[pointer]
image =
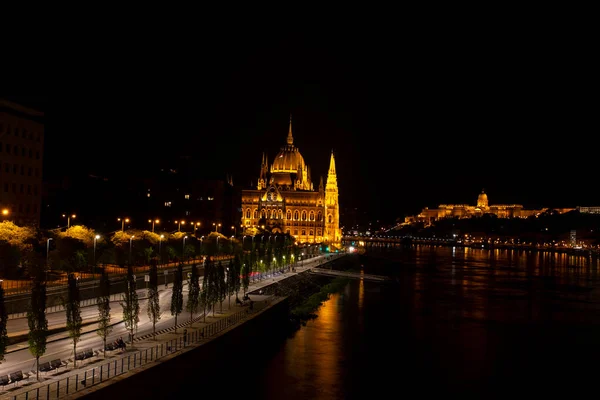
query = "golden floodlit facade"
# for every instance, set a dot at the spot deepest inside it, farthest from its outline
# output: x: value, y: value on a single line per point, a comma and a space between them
x: 285, y: 200
x: 482, y: 206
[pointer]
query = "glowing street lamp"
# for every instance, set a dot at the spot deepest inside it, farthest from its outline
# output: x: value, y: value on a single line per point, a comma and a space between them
x: 196, y: 225
x: 153, y: 221
x: 130, y: 242
x: 217, y: 226
x: 159, y: 243
x: 234, y: 230
x: 68, y: 217
x: 94, y: 265
x: 5, y: 212
x: 179, y: 223
x: 123, y: 220
x: 183, y: 248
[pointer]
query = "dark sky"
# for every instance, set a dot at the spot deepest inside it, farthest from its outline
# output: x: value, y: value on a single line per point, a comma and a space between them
x: 415, y: 118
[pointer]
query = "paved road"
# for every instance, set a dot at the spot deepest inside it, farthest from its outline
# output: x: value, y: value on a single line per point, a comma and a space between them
x: 60, y: 345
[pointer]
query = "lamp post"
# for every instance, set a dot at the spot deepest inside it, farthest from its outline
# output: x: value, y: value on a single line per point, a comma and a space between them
x: 153, y: 221
x: 201, y: 242
x: 179, y: 225
x: 216, y: 225
x: 196, y: 225
x: 217, y: 244
x: 234, y: 230
x: 123, y: 220
x: 183, y: 248
x: 94, y: 265
x: 159, y: 252
x: 130, y: 242
x: 243, y: 239
x: 231, y: 240
x: 68, y: 217
x: 47, y: 252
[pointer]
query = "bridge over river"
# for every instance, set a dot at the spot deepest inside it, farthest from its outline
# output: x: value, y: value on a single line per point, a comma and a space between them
x: 348, y: 274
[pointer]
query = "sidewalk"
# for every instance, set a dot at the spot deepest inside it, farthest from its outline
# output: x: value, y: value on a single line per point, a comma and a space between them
x: 143, y: 343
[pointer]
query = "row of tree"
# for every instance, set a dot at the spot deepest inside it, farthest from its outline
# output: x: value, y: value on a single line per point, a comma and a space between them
x: 219, y: 282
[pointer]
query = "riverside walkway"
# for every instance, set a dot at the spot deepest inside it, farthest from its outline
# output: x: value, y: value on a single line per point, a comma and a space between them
x: 105, y: 367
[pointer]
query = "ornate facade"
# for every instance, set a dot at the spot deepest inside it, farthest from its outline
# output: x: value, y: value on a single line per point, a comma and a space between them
x: 482, y: 206
x: 285, y: 200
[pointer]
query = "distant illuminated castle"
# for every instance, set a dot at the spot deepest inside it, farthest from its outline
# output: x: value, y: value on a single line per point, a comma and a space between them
x: 285, y: 200
x: 428, y: 216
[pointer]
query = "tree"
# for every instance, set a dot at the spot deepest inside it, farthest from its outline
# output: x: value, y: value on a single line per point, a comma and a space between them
x: 103, y: 302
x: 3, y: 323
x: 36, y: 319
x: 177, y: 294
x: 237, y: 267
x: 73, y: 311
x: 194, y: 292
x: 130, y: 304
x: 153, y: 299
x: 245, y: 276
x: 208, y: 264
x: 229, y: 282
x: 221, y: 285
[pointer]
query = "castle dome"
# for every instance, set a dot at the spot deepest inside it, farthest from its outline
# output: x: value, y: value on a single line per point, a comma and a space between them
x: 482, y: 200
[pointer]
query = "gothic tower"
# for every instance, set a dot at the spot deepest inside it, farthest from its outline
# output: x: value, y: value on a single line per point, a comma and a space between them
x: 333, y: 233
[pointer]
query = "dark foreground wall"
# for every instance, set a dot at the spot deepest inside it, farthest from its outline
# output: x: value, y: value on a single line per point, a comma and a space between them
x: 221, y: 355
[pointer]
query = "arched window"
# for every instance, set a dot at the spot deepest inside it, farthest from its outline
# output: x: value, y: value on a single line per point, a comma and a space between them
x: 263, y: 213
x: 303, y: 215
x: 311, y: 216
x: 255, y: 213
x: 248, y: 213
x: 280, y: 214
x: 330, y: 218
x: 319, y: 216
x: 288, y: 214
x: 272, y: 214
x: 296, y: 215
x: 312, y: 232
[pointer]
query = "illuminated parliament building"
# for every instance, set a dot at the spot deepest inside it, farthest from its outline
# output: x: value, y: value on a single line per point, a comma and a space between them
x: 482, y: 206
x: 285, y: 200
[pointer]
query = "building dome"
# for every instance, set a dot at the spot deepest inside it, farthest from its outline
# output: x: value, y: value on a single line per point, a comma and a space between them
x: 482, y: 200
x: 288, y: 160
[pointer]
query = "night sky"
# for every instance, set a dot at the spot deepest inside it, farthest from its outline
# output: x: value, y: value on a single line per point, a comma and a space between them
x: 414, y: 119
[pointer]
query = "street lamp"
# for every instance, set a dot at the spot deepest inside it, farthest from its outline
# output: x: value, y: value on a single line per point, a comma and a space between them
x: 183, y: 248
x: 159, y: 252
x: 234, y: 230
x: 216, y: 226
x: 123, y: 220
x: 5, y: 212
x: 130, y: 242
x: 196, y: 225
x: 201, y: 242
x: 153, y: 221
x: 47, y: 252
x: 68, y: 217
x: 217, y: 244
x: 179, y: 225
x: 94, y: 265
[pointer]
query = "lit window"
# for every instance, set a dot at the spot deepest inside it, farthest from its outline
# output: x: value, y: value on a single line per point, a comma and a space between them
x: 167, y: 204
x: 187, y: 196
x: 210, y: 198
x: 147, y: 194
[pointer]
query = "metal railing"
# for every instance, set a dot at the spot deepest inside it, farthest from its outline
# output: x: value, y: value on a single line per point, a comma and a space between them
x: 92, y: 376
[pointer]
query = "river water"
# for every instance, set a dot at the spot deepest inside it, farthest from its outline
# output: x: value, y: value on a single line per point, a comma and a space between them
x: 470, y: 323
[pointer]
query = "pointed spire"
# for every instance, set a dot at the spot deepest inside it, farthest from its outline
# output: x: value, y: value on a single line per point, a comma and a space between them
x: 290, y: 138
x: 332, y: 164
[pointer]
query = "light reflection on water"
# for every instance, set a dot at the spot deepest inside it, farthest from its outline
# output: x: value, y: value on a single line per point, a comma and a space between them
x: 470, y: 323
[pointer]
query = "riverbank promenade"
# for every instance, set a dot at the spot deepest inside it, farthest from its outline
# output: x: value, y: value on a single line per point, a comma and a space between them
x: 98, y: 368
